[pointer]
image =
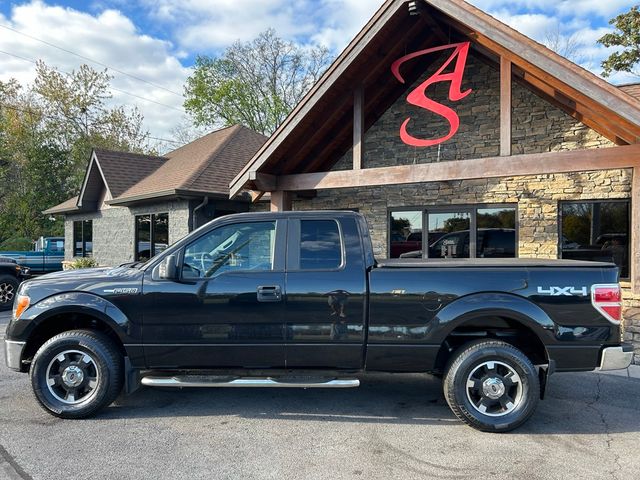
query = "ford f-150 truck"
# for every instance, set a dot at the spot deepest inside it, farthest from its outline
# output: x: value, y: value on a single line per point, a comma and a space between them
x: 297, y: 299
x: 47, y: 255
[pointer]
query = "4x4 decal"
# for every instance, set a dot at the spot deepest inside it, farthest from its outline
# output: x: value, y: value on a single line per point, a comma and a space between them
x: 564, y: 291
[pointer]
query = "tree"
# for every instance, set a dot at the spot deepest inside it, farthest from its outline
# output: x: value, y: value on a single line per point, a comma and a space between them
x: 78, y: 119
x: 627, y: 36
x: 47, y: 131
x: 565, y: 45
x: 255, y: 84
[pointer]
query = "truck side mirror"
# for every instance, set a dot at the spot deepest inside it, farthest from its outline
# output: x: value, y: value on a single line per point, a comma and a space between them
x: 168, y: 268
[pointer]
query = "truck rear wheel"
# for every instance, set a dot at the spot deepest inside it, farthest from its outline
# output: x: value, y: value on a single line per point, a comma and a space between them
x: 491, y: 386
x: 77, y: 373
x: 8, y: 289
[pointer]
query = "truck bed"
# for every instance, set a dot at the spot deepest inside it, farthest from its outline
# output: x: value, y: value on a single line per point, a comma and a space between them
x: 488, y: 262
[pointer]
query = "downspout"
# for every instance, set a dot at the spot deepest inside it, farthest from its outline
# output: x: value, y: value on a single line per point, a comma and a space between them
x: 193, y: 215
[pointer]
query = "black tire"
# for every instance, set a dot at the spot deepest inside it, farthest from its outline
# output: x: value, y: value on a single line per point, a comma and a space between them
x: 8, y: 289
x: 497, y: 399
x: 62, y: 358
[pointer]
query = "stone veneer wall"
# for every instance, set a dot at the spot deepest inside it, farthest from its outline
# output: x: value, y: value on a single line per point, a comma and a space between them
x: 537, y: 127
x: 114, y: 229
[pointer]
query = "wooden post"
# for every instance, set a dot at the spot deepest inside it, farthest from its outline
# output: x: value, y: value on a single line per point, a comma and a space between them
x: 505, y: 107
x: 634, y: 263
x: 280, y: 201
x: 358, y: 127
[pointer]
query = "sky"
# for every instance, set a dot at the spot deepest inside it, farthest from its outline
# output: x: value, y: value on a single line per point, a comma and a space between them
x: 150, y: 45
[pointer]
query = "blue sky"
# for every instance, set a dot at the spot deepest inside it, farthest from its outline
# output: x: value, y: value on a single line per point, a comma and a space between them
x: 157, y: 40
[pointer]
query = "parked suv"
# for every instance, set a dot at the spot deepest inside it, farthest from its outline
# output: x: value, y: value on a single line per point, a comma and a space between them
x: 11, y: 274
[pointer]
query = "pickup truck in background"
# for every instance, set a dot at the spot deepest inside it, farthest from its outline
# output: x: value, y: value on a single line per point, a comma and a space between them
x: 46, y: 256
x: 296, y: 299
x: 11, y: 274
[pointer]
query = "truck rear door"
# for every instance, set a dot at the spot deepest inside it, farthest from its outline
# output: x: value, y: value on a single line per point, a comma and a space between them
x: 325, y: 292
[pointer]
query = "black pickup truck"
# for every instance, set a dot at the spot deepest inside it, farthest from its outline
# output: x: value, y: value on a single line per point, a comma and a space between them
x: 296, y: 299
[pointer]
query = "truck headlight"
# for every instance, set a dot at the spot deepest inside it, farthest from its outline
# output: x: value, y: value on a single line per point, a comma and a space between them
x: 20, y: 305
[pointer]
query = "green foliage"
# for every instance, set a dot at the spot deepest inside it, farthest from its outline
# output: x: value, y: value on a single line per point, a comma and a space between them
x: 21, y: 244
x: 47, y: 131
x: 627, y: 36
x: 255, y: 84
x: 82, y: 262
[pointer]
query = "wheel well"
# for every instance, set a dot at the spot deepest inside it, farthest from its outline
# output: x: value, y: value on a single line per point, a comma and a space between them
x: 494, y: 327
x: 63, y: 322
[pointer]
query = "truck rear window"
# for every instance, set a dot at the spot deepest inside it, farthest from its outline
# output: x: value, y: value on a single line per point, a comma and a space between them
x: 320, y: 245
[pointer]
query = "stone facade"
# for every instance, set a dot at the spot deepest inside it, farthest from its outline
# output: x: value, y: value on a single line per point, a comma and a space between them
x: 114, y: 229
x: 538, y: 126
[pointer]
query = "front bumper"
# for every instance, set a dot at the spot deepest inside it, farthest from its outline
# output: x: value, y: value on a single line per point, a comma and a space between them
x: 616, y: 358
x: 13, y: 354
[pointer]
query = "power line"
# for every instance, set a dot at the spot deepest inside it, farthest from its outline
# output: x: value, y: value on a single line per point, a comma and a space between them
x: 112, y: 88
x: 33, y: 112
x: 90, y: 60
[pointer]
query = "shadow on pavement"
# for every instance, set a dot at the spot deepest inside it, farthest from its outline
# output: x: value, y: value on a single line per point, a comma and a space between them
x: 584, y: 403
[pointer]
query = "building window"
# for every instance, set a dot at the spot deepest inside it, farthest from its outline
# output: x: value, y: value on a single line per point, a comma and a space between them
x: 476, y: 231
x: 152, y: 235
x: 596, y: 231
x: 83, y: 238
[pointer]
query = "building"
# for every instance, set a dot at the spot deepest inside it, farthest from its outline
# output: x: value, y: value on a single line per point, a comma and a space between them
x: 457, y: 136
x: 133, y: 206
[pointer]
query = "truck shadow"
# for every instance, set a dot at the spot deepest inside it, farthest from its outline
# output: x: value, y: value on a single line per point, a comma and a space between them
x: 585, y: 403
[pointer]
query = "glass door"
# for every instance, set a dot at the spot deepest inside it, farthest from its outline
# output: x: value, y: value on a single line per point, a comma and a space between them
x: 448, y: 234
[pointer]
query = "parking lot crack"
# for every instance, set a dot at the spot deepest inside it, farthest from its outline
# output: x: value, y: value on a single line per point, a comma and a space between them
x: 607, y: 430
x: 9, y: 466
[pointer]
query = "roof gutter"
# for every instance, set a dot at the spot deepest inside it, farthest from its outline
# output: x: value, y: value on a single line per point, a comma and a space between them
x: 193, y: 215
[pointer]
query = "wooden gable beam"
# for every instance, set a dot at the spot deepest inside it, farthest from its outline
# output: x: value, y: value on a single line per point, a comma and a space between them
x: 358, y: 127
x: 505, y: 107
x: 491, y: 167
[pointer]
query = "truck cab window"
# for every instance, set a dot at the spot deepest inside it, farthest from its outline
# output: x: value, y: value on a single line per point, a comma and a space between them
x: 240, y: 246
x: 320, y: 245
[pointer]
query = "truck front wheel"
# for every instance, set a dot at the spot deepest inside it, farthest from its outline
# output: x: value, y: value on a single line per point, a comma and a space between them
x: 8, y: 288
x: 491, y: 386
x: 77, y: 373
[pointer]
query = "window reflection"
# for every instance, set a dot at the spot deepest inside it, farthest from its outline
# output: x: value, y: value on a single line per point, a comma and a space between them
x: 406, y: 232
x: 596, y: 231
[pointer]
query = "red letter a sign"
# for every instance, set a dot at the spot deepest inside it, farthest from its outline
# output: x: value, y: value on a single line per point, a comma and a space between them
x: 418, y: 96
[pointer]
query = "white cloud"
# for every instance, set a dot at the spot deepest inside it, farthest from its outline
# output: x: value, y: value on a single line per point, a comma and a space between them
x: 109, y: 37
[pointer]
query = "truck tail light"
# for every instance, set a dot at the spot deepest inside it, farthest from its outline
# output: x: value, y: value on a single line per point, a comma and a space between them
x: 607, y: 299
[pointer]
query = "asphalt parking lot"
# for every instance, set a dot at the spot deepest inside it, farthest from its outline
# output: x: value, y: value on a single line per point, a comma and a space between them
x: 390, y: 427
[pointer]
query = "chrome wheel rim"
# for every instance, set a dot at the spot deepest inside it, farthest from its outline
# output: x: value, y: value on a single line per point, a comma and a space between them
x: 494, y: 389
x: 72, y: 377
x: 7, y: 292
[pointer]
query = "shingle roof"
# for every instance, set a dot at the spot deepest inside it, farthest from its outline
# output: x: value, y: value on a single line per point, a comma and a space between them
x: 206, y: 165
x: 122, y: 170
x: 632, y: 89
x: 70, y: 205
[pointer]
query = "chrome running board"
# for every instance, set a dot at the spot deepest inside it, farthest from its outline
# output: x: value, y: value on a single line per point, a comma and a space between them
x: 213, y: 381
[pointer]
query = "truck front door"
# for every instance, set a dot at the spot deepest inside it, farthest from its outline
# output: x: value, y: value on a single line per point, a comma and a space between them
x: 326, y: 293
x: 226, y: 310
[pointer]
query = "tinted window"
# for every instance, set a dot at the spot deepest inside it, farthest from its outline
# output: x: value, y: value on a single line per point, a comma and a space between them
x: 240, y: 246
x: 496, y: 236
x: 320, y: 246
x: 152, y: 235
x: 449, y: 234
x: 406, y: 232
x: 596, y: 231
x: 82, y: 238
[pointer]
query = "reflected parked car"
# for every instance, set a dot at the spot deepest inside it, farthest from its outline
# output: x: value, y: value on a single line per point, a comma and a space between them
x: 492, y: 243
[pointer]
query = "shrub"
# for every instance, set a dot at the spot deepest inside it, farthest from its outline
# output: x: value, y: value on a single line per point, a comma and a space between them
x: 82, y: 262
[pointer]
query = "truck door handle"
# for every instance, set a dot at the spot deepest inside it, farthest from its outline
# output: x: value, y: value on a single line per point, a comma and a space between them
x: 271, y: 293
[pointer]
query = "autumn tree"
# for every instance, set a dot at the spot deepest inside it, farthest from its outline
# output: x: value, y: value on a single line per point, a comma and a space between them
x: 626, y: 36
x: 47, y: 131
x: 255, y: 83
